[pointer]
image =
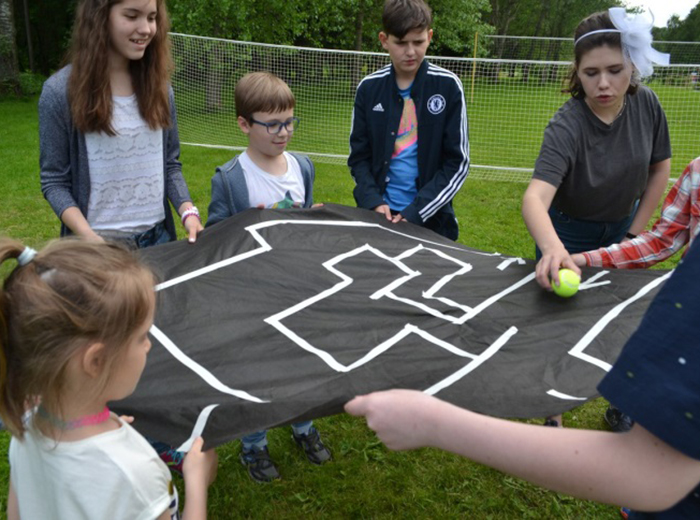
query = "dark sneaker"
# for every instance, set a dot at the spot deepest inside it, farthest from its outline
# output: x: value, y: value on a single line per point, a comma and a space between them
x: 551, y: 422
x: 311, y: 443
x: 618, y: 421
x: 172, y: 458
x: 259, y: 464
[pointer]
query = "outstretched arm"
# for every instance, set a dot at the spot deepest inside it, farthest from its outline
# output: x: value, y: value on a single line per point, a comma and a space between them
x: 670, y: 233
x: 536, y: 202
x: 78, y: 224
x: 635, y: 469
x: 12, y: 505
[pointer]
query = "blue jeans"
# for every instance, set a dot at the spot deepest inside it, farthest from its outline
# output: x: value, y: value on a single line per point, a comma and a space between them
x: 258, y: 440
x: 579, y: 235
x: 151, y: 237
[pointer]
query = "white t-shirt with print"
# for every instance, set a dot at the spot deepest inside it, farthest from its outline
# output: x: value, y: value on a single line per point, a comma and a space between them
x: 267, y: 189
x: 114, y: 475
x: 126, y: 172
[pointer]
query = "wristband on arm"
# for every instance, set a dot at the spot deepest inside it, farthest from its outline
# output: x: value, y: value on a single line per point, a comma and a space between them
x: 188, y: 213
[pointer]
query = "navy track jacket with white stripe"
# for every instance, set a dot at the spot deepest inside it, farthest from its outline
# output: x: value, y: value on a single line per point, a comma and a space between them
x: 443, y: 143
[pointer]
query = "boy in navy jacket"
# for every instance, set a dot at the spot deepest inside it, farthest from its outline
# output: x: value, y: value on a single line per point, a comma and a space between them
x: 409, y: 142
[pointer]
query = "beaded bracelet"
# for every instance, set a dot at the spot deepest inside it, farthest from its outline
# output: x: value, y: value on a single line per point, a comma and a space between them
x: 189, y: 212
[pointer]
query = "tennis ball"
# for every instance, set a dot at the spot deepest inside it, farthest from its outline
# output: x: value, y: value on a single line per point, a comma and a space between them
x: 568, y: 283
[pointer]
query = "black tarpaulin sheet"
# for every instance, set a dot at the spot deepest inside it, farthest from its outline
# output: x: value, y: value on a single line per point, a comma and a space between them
x: 276, y: 316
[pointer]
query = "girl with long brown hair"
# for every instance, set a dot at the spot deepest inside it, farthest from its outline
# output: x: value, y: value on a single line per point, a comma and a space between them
x: 109, y: 145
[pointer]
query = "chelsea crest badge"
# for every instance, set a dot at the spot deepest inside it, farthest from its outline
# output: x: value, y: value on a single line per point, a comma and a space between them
x: 436, y: 104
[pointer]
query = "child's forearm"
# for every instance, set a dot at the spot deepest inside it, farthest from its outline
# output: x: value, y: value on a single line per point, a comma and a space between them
x: 538, y: 222
x: 634, y: 469
x: 12, y: 505
x: 196, y: 504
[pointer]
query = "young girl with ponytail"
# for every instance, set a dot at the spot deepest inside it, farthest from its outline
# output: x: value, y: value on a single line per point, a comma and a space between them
x: 74, y: 323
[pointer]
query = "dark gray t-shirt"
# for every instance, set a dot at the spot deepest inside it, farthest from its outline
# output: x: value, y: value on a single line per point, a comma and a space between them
x: 600, y: 170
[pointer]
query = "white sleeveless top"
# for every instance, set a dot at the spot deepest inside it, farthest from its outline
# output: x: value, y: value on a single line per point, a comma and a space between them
x: 126, y: 173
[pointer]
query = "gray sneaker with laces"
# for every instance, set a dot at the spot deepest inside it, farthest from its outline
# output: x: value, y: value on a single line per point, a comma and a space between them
x: 260, y: 466
x: 312, y: 445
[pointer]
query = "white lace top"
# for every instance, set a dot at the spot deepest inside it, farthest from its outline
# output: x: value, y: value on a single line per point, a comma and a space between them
x: 126, y: 173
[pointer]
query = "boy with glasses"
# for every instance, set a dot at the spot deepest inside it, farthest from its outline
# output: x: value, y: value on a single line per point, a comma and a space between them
x: 409, y: 143
x: 266, y: 176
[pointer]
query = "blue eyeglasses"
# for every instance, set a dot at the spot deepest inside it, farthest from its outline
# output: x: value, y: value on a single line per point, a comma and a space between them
x: 275, y: 127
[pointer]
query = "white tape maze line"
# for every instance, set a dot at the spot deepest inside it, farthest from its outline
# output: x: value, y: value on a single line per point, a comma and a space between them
x: 198, y: 428
x: 578, y: 350
x: 198, y: 369
x: 345, y: 281
x: 469, y: 312
x: 387, y: 292
x: 591, y: 282
x: 265, y: 247
x: 559, y: 395
x: 478, y: 360
x: 508, y: 261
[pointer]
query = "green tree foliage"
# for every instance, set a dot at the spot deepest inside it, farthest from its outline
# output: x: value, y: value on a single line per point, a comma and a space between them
x: 456, y: 22
x: 687, y: 30
x: 273, y: 21
x: 338, y: 24
x: 542, y: 18
x: 555, y: 18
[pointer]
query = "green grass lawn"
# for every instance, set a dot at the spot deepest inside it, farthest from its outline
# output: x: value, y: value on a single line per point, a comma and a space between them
x: 364, y: 480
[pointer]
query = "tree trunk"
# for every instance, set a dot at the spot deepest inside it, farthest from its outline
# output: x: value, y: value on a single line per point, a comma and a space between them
x: 9, y: 69
x: 28, y: 30
x: 215, y: 80
x: 356, y: 74
x: 358, y: 28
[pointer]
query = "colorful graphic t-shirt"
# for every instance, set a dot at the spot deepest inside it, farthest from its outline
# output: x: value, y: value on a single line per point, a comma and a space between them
x: 401, y: 187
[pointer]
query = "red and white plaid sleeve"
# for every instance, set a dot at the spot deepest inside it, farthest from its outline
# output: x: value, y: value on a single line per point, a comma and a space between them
x: 678, y: 225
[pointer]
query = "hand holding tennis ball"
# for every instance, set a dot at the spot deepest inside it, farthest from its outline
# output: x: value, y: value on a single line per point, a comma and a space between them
x: 568, y: 283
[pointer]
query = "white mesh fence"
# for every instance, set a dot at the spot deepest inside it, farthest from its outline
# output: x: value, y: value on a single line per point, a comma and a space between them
x: 509, y: 101
x: 555, y: 49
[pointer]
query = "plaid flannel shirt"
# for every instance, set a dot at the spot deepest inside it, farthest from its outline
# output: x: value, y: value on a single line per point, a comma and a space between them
x: 677, y: 226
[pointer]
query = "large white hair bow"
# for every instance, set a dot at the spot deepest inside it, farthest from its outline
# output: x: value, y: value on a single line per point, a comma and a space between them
x: 635, y: 33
